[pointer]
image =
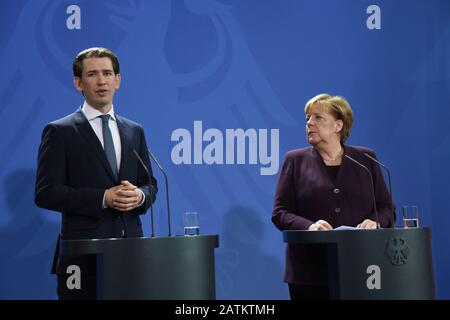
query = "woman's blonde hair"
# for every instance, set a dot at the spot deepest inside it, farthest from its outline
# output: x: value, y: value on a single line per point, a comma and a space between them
x: 338, y: 107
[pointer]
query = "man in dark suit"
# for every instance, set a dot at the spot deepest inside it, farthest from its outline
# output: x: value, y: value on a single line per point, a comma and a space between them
x: 87, y: 169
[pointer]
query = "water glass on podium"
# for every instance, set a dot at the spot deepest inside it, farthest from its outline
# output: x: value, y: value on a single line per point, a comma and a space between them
x: 191, y: 223
x: 410, y: 216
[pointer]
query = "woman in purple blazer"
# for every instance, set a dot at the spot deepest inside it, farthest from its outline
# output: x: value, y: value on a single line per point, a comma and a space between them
x: 319, y: 188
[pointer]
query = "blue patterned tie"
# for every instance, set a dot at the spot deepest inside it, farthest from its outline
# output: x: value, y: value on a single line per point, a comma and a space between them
x: 108, y: 144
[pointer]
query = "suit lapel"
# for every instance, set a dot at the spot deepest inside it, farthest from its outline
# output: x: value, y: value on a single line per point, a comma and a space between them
x: 126, y: 137
x: 86, y: 131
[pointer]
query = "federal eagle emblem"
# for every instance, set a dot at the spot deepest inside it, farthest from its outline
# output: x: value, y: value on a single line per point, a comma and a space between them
x: 397, y: 251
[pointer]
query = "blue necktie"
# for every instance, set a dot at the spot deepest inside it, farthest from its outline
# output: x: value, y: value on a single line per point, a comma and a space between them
x: 108, y: 144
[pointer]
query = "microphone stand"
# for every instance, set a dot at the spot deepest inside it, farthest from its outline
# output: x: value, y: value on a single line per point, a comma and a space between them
x: 151, y: 192
x: 167, y: 189
x: 372, y: 187
x: 390, y: 183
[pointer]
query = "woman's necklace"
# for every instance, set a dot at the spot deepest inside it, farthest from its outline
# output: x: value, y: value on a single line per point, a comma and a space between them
x: 335, y: 158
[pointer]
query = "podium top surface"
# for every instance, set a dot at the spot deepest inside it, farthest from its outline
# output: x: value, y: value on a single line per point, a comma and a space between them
x: 332, y: 236
x: 165, y: 243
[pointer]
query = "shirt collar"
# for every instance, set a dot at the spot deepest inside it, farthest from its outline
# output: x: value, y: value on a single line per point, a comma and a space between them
x: 92, y: 113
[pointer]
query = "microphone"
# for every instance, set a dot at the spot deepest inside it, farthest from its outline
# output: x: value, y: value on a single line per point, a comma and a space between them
x: 389, y: 180
x: 371, y: 184
x: 167, y: 189
x: 151, y: 192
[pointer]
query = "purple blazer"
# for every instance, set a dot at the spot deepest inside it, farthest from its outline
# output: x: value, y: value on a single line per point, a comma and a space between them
x: 305, y: 193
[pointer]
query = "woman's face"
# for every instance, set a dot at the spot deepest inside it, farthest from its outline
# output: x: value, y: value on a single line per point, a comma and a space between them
x: 321, y: 126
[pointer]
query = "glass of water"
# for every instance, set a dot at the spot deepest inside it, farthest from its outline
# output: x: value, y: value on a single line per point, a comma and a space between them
x: 191, y: 223
x: 410, y: 216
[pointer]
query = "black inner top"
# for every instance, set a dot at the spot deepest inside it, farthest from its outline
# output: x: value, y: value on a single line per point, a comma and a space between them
x: 333, y: 172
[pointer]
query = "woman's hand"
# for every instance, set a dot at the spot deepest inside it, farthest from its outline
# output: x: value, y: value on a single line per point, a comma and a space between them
x: 367, y: 224
x: 320, y: 225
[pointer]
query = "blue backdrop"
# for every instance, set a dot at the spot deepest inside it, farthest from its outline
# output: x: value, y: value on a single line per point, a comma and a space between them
x: 194, y: 72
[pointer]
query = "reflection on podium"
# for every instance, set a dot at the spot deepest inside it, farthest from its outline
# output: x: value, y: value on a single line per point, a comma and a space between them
x: 172, y: 268
x: 375, y: 264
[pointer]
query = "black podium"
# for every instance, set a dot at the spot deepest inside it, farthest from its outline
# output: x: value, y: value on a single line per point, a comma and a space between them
x: 172, y: 268
x: 375, y: 264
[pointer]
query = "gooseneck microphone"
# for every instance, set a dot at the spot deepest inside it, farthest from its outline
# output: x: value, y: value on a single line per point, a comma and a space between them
x: 151, y: 192
x: 167, y: 189
x: 389, y: 181
x: 371, y: 185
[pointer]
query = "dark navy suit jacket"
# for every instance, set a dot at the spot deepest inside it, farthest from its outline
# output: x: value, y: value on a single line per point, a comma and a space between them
x: 73, y: 174
x: 306, y: 193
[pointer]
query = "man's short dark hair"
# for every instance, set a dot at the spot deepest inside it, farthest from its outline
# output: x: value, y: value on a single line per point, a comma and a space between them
x: 94, y: 53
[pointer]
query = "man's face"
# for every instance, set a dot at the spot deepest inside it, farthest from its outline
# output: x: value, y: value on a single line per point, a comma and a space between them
x: 98, y: 82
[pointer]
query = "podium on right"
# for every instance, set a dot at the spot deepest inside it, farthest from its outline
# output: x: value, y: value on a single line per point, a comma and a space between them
x: 375, y: 264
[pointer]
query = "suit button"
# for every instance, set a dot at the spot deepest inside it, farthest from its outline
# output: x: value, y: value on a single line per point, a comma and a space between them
x: 336, y: 190
x: 337, y: 210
